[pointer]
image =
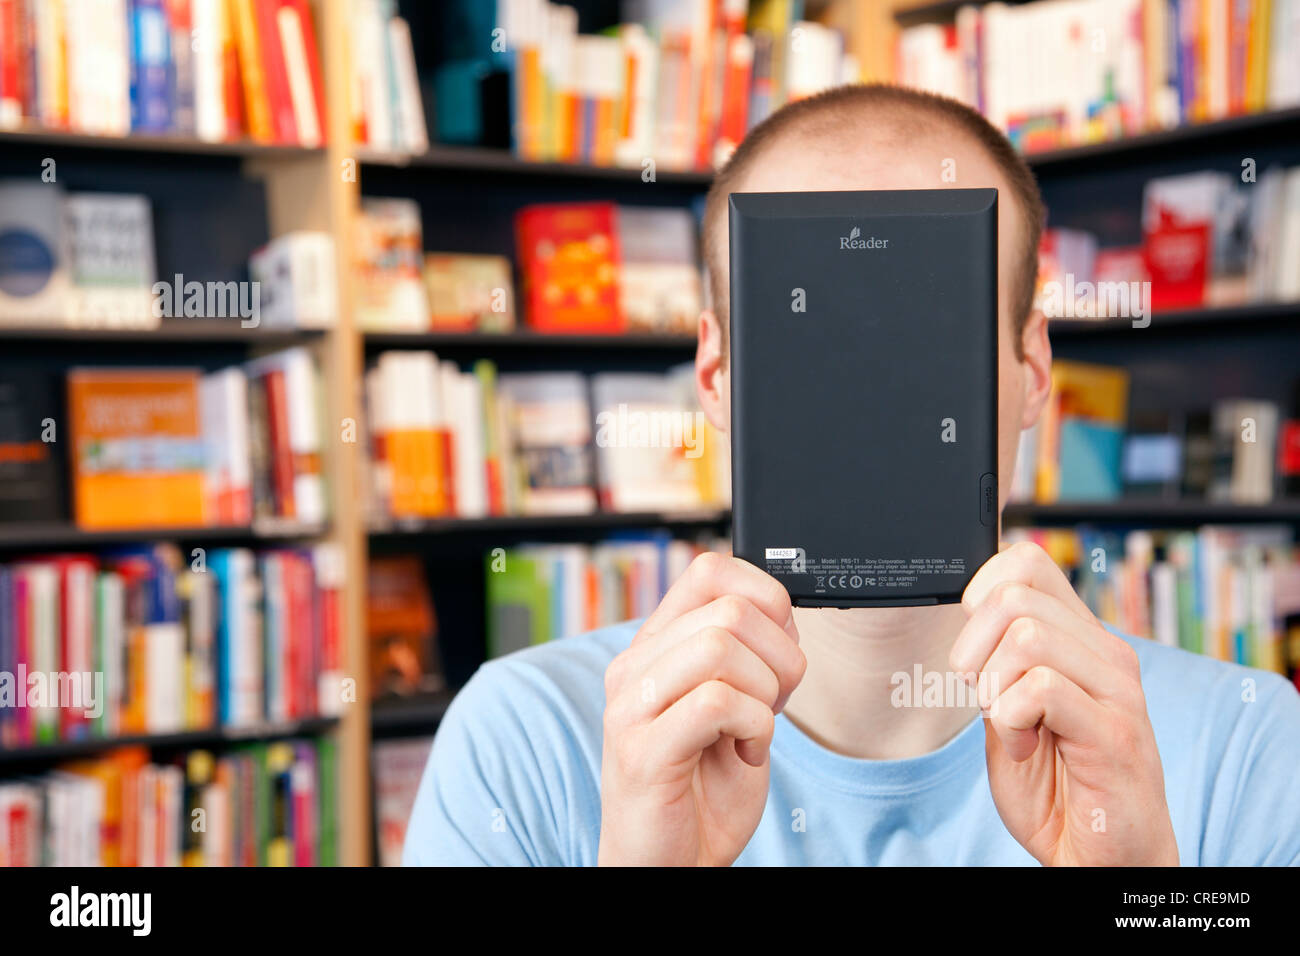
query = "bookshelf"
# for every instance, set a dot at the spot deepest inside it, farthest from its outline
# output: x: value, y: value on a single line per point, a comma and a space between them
x: 468, y: 196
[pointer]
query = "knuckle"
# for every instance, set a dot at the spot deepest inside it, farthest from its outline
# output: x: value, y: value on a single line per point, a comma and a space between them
x: 1042, y: 682
x: 1008, y: 595
x: 707, y: 565
x: 712, y: 700
x: 614, y: 675
x: 1026, y: 635
x: 732, y: 611
x: 713, y: 644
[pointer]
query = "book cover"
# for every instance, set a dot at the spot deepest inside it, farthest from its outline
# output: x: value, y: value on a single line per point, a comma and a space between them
x: 137, y: 448
x: 32, y: 485
x: 569, y: 261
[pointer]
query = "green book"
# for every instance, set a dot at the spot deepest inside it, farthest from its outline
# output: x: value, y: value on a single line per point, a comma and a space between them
x: 518, y: 603
x: 327, y: 786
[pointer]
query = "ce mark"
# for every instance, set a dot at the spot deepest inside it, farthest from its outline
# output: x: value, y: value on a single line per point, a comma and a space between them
x: 840, y: 581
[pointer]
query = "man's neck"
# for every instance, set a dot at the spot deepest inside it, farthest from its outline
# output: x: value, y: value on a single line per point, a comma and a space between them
x: 847, y: 699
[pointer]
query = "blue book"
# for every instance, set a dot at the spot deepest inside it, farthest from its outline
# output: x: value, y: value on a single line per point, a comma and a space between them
x: 1090, y: 460
x: 151, y: 108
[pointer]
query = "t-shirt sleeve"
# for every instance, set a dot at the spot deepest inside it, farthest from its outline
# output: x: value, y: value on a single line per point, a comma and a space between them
x: 1258, y: 781
x: 496, y: 790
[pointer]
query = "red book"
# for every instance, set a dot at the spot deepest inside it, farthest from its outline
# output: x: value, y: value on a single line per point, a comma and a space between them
x: 569, y: 260
x: 76, y: 633
x: 329, y: 612
x: 277, y: 416
x: 303, y: 9
x: 277, y: 76
x: 23, y: 727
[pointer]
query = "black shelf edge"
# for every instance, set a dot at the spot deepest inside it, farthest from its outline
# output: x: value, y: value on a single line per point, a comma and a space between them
x: 213, y: 737
x: 1158, y: 140
x: 602, y: 519
x: 47, y: 535
x: 477, y: 160
x: 403, y: 715
x: 1156, y: 512
x: 514, y: 341
x: 170, y: 331
x: 927, y: 12
x: 154, y: 143
x: 1211, y: 318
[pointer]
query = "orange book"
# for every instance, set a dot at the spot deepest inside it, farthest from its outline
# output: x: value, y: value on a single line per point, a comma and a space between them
x: 257, y: 103
x: 137, y: 459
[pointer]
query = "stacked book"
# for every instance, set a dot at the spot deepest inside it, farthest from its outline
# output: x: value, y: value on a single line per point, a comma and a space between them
x: 1089, y: 446
x: 165, y: 447
x: 213, y: 69
x: 150, y: 640
x: 1070, y: 72
x: 273, y: 804
x: 539, y: 593
x: 451, y: 443
x: 1229, y: 592
x: 589, y: 268
x: 675, y: 85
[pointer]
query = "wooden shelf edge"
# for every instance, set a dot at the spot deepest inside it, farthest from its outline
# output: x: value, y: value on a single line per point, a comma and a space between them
x: 602, y: 519
x: 46, y: 535
x: 171, y: 143
x: 213, y: 737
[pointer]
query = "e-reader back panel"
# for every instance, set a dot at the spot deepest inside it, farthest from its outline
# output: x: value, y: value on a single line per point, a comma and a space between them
x: 864, y: 391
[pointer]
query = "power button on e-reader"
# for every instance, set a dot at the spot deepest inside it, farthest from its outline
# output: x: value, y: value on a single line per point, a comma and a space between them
x: 988, y: 499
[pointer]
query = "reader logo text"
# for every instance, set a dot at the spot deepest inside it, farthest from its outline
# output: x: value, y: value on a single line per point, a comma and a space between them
x: 854, y: 240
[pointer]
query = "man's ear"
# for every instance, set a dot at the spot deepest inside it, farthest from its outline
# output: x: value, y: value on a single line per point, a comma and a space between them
x: 1038, y: 367
x: 712, y: 383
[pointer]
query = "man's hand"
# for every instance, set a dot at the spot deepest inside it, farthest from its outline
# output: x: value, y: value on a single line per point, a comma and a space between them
x: 1072, y: 758
x: 689, y: 714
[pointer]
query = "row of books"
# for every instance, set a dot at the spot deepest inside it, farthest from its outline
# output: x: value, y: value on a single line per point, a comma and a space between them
x: 446, y: 442
x: 147, y: 640
x: 543, y: 592
x: 385, y: 105
x: 261, y: 804
x: 213, y: 69
x: 1207, y: 240
x: 1087, y: 446
x: 87, y: 260
x: 1232, y: 592
x: 676, y: 85
x: 585, y: 267
x: 1067, y: 72
x: 164, y: 447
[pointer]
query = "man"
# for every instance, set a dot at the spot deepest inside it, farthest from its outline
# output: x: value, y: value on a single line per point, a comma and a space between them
x: 730, y: 728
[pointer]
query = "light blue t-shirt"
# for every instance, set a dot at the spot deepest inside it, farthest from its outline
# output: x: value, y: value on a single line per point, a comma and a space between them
x: 514, y: 775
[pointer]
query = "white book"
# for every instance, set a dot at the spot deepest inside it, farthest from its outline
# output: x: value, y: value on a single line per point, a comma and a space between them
x: 51, y: 62
x: 111, y: 266
x: 209, y: 70
x: 99, y: 81
x: 164, y: 677
x: 413, y: 133
x: 643, y: 55
x: 1287, y: 274
x: 370, y: 59
x: 297, y: 280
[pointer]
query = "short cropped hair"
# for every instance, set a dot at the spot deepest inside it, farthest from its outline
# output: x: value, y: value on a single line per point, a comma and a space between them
x: 903, y: 111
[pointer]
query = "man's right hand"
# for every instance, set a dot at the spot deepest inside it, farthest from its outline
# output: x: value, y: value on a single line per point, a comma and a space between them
x: 689, y: 713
